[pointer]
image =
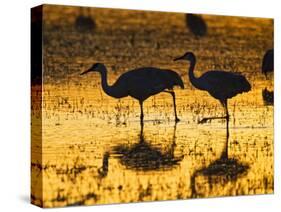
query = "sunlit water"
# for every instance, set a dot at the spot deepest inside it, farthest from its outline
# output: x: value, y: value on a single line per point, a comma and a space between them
x: 94, y: 150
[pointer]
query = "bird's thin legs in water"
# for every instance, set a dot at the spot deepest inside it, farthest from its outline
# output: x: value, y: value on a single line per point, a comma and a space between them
x: 141, y: 115
x: 173, y: 145
x: 224, y: 104
x: 141, y: 122
x: 104, y: 169
x: 225, y: 152
x: 141, y: 132
x: 204, y: 120
x: 175, y: 106
x: 226, y: 111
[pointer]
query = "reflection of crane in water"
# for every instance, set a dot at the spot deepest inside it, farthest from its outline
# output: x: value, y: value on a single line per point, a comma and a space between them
x: 142, y: 156
x: 196, y: 24
x: 104, y: 169
x: 84, y: 22
x: 225, y: 168
x: 140, y: 83
x: 268, y: 62
x: 221, y: 85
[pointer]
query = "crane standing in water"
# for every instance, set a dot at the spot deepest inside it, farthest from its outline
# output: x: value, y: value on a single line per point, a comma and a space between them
x: 196, y: 24
x: 221, y: 85
x: 140, y: 83
x: 268, y: 66
x: 83, y: 22
x: 268, y: 62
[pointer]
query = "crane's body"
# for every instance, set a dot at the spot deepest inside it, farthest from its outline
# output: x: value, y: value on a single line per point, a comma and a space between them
x: 219, y: 84
x: 196, y: 24
x: 223, y: 85
x: 140, y: 83
x: 268, y: 62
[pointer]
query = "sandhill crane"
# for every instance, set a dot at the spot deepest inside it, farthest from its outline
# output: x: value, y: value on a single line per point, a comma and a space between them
x: 140, y: 83
x: 83, y: 22
x: 268, y: 62
x: 221, y: 85
x: 196, y: 24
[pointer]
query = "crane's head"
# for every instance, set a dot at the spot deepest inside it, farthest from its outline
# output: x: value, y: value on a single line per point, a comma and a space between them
x: 187, y: 56
x: 97, y: 67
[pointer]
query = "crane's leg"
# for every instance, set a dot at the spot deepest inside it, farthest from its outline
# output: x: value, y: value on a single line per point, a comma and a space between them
x: 173, y: 145
x: 224, y: 154
x: 224, y: 104
x: 226, y: 111
x: 141, y: 115
x: 141, y: 133
x: 175, y: 106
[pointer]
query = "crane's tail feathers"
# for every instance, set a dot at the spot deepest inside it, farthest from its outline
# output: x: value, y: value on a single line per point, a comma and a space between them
x: 180, y: 82
x: 247, y: 86
x: 181, y: 85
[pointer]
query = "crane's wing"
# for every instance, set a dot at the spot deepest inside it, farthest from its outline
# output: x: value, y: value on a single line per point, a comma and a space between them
x: 222, y: 84
x: 145, y: 82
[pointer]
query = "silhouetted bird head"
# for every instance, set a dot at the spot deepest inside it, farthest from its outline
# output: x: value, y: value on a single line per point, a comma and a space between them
x: 97, y: 67
x: 187, y: 56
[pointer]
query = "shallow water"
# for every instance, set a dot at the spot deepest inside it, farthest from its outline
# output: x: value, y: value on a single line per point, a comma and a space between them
x: 94, y: 150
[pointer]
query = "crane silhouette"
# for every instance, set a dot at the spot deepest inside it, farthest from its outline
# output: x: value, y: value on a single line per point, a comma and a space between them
x: 221, y: 85
x: 268, y: 62
x: 84, y: 23
x: 196, y: 24
x: 140, y: 83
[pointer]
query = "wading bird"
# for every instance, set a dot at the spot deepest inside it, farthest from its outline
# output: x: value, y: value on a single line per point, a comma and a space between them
x: 84, y: 23
x: 196, y: 24
x: 140, y: 83
x: 268, y: 62
x: 221, y: 85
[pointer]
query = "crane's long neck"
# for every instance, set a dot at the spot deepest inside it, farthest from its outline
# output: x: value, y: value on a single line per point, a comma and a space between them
x: 192, y: 78
x: 112, y: 90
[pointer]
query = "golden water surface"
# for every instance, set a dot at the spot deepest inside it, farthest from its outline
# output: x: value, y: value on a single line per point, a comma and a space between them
x: 93, y: 148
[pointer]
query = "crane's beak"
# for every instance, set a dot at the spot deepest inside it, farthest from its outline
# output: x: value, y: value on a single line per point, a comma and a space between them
x: 179, y: 58
x: 85, y: 72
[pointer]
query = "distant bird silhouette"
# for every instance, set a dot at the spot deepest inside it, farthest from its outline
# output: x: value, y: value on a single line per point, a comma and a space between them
x: 140, y: 83
x: 84, y: 23
x: 221, y: 85
x: 268, y: 97
x: 196, y: 24
x: 268, y: 62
